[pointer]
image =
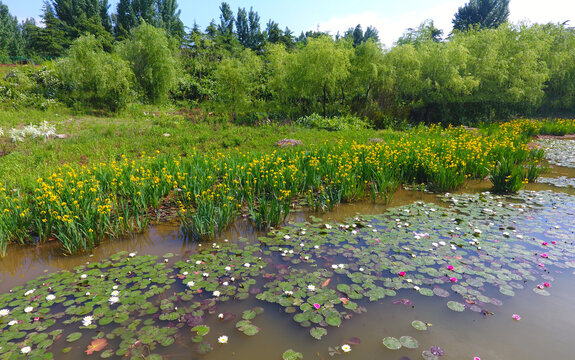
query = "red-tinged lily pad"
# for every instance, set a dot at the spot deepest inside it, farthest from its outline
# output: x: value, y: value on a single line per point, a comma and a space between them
x: 354, y: 341
x: 96, y: 345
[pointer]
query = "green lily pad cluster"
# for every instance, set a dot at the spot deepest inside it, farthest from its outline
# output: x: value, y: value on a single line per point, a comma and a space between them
x: 561, y: 181
x: 471, y: 250
x: 559, y: 152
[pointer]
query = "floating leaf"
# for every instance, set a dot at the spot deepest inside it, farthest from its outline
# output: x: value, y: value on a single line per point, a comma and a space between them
x: 409, y: 342
x: 456, y: 306
x: 73, y: 337
x: 291, y: 355
x: 419, y: 325
x: 96, y: 345
x: 202, y: 330
x: 392, y: 343
x: 318, y: 332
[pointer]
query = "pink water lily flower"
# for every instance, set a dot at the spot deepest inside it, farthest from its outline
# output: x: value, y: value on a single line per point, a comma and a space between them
x: 450, y: 267
x: 453, y: 279
x: 546, y: 284
x: 544, y: 255
x: 516, y: 317
x: 316, y: 306
x: 401, y: 273
x: 544, y: 243
x: 476, y: 358
x: 553, y: 242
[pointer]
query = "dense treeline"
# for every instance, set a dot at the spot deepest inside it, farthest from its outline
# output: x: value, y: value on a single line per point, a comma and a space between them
x: 486, y: 69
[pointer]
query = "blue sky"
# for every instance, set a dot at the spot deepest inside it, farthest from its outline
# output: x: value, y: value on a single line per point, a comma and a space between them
x: 390, y: 17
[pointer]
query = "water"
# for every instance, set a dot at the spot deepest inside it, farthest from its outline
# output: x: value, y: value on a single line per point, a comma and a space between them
x: 544, y: 330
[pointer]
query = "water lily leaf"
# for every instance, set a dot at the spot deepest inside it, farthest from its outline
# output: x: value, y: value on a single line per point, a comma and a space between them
x: 427, y: 355
x: 409, y: 342
x: 392, y: 343
x: 426, y: 292
x: 292, y: 355
x: 204, y: 348
x: 202, y: 330
x: 318, y: 332
x: 456, y: 306
x: 419, y: 325
x: 96, y: 345
x: 541, y: 292
x: 73, y: 337
x: 247, y: 327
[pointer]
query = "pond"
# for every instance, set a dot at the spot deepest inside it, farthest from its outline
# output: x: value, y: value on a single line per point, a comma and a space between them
x: 452, y: 276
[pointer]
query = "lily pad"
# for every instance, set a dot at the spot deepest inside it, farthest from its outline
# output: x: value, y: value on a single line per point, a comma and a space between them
x: 318, y: 332
x: 419, y: 325
x: 292, y: 355
x: 392, y: 343
x: 456, y: 306
x: 409, y: 342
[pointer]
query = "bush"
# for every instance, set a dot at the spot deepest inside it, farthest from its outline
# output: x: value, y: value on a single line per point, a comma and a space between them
x: 337, y: 123
x: 152, y: 62
x: 94, y: 78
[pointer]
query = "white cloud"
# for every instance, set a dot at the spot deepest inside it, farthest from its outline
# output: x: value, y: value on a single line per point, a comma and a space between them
x: 542, y: 11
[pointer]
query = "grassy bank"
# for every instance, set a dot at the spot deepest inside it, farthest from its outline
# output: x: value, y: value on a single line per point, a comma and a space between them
x: 106, y: 177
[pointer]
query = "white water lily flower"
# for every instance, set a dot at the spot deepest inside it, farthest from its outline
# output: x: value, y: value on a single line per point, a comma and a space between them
x: 50, y: 297
x: 115, y: 287
x: 223, y: 339
x: 301, y: 244
x: 311, y: 287
x: 13, y: 322
x: 442, y: 243
x: 87, y: 321
x: 190, y: 284
x: 408, y: 280
x: 434, y: 244
x: 416, y: 288
x: 225, y: 283
x: 26, y: 350
x: 341, y: 266
x: 345, y: 348
x: 115, y: 293
x: 288, y: 292
x: 361, y: 269
x: 132, y: 254
x: 113, y: 300
x: 198, y: 262
x: 4, y: 312
x: 205, y: 274
x: 28, y: 309
x: 216, y: 293
x: 220, y: 316
x: 185, y: 273
x: 327, y: 226
x: 88, y: 293
x: 334, y: 266
x: 29, y: 292
x: 287, y: 237
x: 316, y: 246
x: 83, y: 276
x: 477, y: 231
x: 228, y: 268
x: 247, y: 265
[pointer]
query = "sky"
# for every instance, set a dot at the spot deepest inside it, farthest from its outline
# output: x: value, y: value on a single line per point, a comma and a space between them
x: 390, y: 17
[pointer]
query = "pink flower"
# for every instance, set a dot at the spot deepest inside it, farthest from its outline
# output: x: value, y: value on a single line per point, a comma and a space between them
x: 450, y: 267
x: 541, y: 264
x: 476, y: 358
x: 516, y: 317
x: 316, y: 306
x: 553, y: 242
x: 544, y: 243
x: 539, y: 286
x: 544, y: 255
x: 401, y: 273
x: 36, y: 318
x: 453, y: 279
x: 546, y: 284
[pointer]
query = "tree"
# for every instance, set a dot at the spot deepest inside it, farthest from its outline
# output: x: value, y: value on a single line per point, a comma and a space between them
x: 148, y: 52
x: 93, y: 77
x: 51, y: 40
x: 169, y: 18
x: 425, y: 32
x: 8, y: 30
x: 226, y: 26
x: 242, y: 27
x: 484, y: 14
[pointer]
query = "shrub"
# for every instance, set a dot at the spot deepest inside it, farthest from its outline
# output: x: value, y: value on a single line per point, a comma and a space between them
x: 94, y: 78
x: 337, y: 123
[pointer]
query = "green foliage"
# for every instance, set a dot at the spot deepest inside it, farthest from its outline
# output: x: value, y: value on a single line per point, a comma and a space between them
x: 94, y: 78
x: 337, y: 123
x: 506, y: 177
x: 152, y: 62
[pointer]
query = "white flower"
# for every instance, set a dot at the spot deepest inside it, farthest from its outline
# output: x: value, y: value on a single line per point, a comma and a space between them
x: 26, y: 350
x: 477, y: 231
x: 302, y: 232
x: 185, y: 273
x: 232, y: 279
x: 288, y: 292
x: 83, y: 276
x: 228, y: 268
x: 113, y: 300
x: 29, y: 292
x: 341, y: 266
x: 13, y: 322
x: 217, y: 293
x: 88, y: 293
x: 327, y: 226
x: 205, y: 274
x: 198, y: 262
x: 361, y: 269
x: 301, y: 244
x: 115, y: 287
x: 345, y: 348
x: 442, y: 243
x: 190, y: 284
x: 115, y: 293
x: 4, y: 312
x: 434, y: 244
x: 223, y: 339
x: 220, y: 316
x: 311, y: 287
x: 316, y: 246
x: 87, y: 321
x: 247, y: 265
x: 408, y: 280
x: 132, y: 254
x: 28, y: 309
x: 50, y: 297
x: 287, y: 237
x: 291, y: 251
x: 225, y: 283
x: 416, y: 288
x: 334, y: 266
